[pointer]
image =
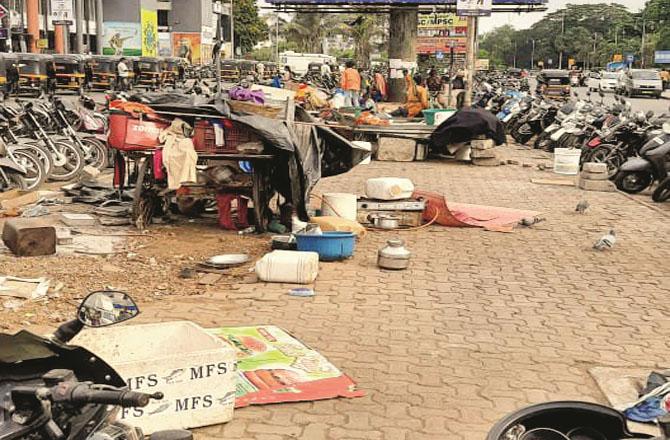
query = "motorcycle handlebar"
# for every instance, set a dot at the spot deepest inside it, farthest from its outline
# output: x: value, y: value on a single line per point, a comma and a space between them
x: 81, y: 394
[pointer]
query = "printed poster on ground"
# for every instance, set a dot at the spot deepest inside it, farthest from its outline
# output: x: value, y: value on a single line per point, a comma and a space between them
x: 121, y: 38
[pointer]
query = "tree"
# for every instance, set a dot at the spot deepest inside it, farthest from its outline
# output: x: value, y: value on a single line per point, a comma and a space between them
x: 365, y: 30
x: 499, y: 43
x: 249, y: 27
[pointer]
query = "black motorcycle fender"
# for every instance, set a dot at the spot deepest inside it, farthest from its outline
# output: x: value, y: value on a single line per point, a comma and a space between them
x: 565, y: 416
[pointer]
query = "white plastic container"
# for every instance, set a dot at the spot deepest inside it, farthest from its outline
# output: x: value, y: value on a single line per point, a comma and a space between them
x: 367, y: 146
x: 566, y: 160
x: 389, y: 188
x: 288, y: 267
x: 440, y: 117
x: 339, y: 205
x: 194, y: 369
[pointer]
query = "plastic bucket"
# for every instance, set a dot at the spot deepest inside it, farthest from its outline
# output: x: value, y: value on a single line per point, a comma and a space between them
x: 331, y: 246
x: 435, y: 116
x: 566, y: 160
x: 339, y: 205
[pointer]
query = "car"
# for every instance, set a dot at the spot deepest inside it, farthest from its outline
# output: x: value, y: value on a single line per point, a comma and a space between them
x: 608, y: 82
x: 593, y: 81
x: 643, y: 82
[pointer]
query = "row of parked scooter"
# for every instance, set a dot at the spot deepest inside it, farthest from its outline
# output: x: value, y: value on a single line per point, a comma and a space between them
x: 634, y: 145
x: 47, y: 140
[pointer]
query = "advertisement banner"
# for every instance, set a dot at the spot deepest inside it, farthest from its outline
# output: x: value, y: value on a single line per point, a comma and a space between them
x: 149, y: 21
x: 442, y: 24
x: 62, y: 12
x: 486, y: 3
x: 187, y: 45
x: 164, y: 44
x: 474, y: 8
x: 428, y: 45
x: 121, y: 38
x: 662, y: 57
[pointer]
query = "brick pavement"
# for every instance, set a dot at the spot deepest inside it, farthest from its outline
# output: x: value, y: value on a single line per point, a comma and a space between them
x: 482, y: 324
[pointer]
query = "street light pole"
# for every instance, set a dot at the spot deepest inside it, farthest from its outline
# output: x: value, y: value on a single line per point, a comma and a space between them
x: 644, y: 34
x: 532, y: 55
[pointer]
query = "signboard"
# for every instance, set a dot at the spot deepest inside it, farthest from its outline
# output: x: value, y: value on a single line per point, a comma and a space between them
x: 662, y: 57
x: 3, y: 12
x: 164, y: 44
x: 482, y: 64
x: 121, y: 38
x: 439, y: 55
x: 474, y: 8
x: 42, y: 43
x: 187, y: 45
x: 438, y: 32
x: 149, y: 21
x: 62, y: 12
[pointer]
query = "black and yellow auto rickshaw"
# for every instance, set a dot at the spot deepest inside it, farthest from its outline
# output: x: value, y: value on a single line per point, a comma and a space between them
x: 33, y: 72
x: 171, y: 66
x: 230, y: 70
x: 248, y: 69
x: 105, y: 71
x: 70, y: 72
x: 150, y: 72
x: 554, y: 84
x: 6, y: 61
x: 271, y: 69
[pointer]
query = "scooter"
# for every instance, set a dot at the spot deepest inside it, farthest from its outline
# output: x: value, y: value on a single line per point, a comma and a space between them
x: 54, y: 391
x: 639, y: 172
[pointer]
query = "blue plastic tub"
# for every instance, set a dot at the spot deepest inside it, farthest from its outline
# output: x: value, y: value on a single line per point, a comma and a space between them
x: 331, y: 246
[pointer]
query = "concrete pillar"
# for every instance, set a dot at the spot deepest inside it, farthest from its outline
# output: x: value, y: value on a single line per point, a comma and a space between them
x: 470, y: 59
x: 79, y: 14
x: 32, y: 12
x: 98, y: 26
x: 59, y: 38
x: 402, y: 46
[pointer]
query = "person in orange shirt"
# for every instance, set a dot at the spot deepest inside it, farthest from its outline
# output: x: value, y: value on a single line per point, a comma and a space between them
x: 380, y: 86
x: 417, y: 96
x: 350, y: 82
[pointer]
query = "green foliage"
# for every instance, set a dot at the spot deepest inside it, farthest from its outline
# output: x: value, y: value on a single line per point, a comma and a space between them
x: 591, y: 34
x: 249, y: 27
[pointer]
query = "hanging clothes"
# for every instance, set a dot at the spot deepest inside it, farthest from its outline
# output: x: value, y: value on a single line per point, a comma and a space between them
x: 179, y: 156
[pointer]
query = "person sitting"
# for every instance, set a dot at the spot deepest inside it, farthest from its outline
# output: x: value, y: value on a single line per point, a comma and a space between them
x: 417, y: 96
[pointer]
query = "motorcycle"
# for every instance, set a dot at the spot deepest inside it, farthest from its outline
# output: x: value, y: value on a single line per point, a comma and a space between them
x: 567, y: 420
x: 638, y: 173
x: 55, y: 391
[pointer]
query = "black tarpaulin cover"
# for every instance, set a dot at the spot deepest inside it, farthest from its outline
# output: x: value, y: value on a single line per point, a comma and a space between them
x: 465, y: 125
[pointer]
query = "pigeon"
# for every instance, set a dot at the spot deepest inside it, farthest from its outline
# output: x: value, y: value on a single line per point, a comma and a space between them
x: 606, y: 242
x: 582, y: 207
x: 530, y: 221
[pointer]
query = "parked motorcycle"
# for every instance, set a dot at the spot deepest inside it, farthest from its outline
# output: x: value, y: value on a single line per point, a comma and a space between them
x: 55, y: 391
x: 639, y: 172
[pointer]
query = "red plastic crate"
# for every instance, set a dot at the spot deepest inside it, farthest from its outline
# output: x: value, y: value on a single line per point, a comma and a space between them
x: 234, y: 134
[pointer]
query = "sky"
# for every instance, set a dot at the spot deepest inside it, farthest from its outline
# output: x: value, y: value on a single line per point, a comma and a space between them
x: 526, y: 20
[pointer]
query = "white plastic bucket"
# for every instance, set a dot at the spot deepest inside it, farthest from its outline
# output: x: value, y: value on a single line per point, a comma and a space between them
x: 288, y: 267
x: 566, y: 160
x: 367, y: 146
x: 339, y: 205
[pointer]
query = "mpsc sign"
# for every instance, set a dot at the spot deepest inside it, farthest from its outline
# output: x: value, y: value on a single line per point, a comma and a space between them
x: 662, y: 57
x: 62, y: 12
x: 474, y: 8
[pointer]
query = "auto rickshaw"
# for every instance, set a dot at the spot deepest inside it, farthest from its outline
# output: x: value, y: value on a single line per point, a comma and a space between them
x: 554, y: 84
x: 248, y: 68
x: 33, y: 72
x: 271, y: 69
x: 230, y: 70
x: 105, y: 71
x: 6, y: 60
x: 70, y: 72
x: 150, y: 72
x: 171, y: 67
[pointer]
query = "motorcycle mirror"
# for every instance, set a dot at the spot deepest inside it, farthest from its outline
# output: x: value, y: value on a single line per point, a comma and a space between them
x: 601, y: 94
x: 106, y: 307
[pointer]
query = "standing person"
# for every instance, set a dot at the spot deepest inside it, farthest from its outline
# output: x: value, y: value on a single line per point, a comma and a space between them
x: 123, y: 74
x: 665, y: 77
x: 88, y: 74
x: 325, y: 69
x: 380, y: 87
x: 351, y: 84
x: 51, y: 78
x: 13, y: 79
x: 288, y: 74
x: 434, y: 82
x: 260, y: 71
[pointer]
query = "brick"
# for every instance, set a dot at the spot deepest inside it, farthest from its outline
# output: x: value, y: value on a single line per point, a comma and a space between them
x: 596, y: 185
x: 396, y: 149
x: 594, y: 167
x: 593, y: 176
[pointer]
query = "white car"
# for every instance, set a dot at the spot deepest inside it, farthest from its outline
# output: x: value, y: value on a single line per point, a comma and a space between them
x: 603, y: 81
